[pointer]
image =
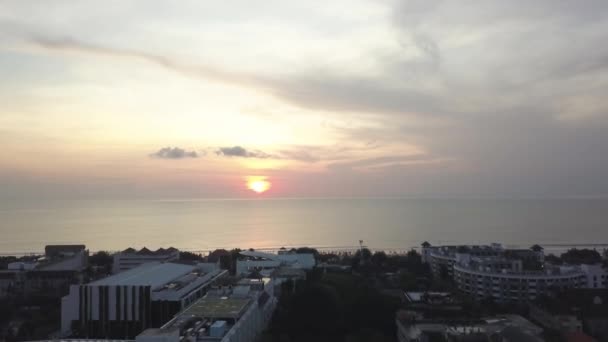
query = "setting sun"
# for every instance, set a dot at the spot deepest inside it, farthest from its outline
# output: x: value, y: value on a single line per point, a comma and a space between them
x: 258, y: 184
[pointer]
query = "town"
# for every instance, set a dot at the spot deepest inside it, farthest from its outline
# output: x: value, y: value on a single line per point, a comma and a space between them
x: 431, y: 293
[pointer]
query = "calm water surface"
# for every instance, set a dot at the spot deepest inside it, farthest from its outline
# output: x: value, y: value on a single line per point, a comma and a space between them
x: 381, y: 223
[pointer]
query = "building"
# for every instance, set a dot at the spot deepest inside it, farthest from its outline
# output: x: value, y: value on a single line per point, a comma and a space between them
x: 412, y: 327
x: 559, y: 321
x: 124, y: 304
x: 597, y: 276
x: 227, y: 314
x: 130, y: 258
x: 513, y: 285
x: 507, y: 274
x: 574, y: 311
x: 257, y: 261
x: 63, y: 250
x: 49, y: 275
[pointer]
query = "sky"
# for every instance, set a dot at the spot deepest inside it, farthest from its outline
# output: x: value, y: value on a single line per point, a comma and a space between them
x: 349, y: 98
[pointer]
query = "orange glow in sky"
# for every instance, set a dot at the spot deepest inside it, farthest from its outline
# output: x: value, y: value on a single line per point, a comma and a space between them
x: 258, y: 184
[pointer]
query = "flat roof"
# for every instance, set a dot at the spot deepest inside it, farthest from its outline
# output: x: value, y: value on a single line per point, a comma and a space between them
x: 416, y: 296
x: 217, y: 307
x: 154, y: 274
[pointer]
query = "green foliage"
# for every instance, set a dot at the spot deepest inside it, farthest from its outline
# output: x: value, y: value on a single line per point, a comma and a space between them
x: 333, y: 307
x: 227, y: 258
x: 308, y: 250
x: 189, y: 256
x: 361, y: 259
x: 581, y: 256
x: 379, y: 259
x: 5, y: 260
x: 101, y: 258
x: 407, y: 281
x: 552, y: 259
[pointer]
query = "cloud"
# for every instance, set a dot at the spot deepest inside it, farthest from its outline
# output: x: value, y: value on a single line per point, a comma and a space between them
x: 173, y: 153
x: 238, y: 151
x: 307, y: 89
x: 378, y: 163
x: 300, y: 153
x: 69, y: 43
x: 513, y: 90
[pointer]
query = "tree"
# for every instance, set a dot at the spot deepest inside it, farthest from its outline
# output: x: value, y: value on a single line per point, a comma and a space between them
x: 315, y: 312
x: 379, y: 258
x: 361, y: 258
x: 407, y: 281
x: 189, y: 256
x: 581, y: 256
x: 308, y: 250
x: 327, y: 257
x: 413, y: 256
x: 101, y: 258
x: 552, y: 259
x: 234, y: 256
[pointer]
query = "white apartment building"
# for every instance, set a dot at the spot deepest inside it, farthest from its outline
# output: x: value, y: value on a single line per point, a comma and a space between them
x: 500, y: 274
x: 597, y: 276
x: 130, y: 258
x: 506, y: 285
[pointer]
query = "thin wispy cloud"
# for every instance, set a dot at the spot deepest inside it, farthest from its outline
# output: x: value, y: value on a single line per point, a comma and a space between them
x: 69, y: 43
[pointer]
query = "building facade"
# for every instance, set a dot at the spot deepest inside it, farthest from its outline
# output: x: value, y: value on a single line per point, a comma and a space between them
x: 123, y: 305
x: 130, y: 258
x: 519, y: 286
x: 493, y: 272
x: 50, y: 275
x: 238, y: 313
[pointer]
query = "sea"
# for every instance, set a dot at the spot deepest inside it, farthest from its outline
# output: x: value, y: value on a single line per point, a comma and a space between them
x: 330, y: 224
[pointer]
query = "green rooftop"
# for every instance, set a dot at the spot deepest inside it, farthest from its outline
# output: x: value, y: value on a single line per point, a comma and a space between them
x: 218, y: 307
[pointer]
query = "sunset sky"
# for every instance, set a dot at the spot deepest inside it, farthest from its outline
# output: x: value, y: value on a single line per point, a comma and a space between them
x: 173, y: 99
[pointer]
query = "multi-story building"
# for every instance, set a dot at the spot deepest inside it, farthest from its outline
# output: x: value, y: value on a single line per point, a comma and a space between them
x: 597, y: 276
x: 513, y: 284
x: 574, y: 311
x: 227, y: 314
x: 414, y: 327
x: 507, y: 274
x: 49, y: 275
x: 130, y: 258
x: 124, y: 304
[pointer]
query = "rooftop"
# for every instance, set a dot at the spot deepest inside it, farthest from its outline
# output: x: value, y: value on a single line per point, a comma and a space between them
x: 146, y: 251
x: 218, y: 307
x: 154, y: 274
x: 413, y: 296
